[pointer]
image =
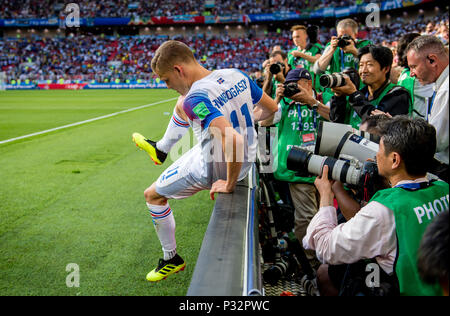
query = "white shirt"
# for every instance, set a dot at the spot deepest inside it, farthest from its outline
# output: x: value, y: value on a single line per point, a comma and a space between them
x: 439, y: 116
x: 370, y: 233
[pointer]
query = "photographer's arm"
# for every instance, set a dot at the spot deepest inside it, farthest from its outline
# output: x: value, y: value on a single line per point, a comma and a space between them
x: 304, y: 97
x: 311, y: 59
x: 362, y: 237
x: 325, y: 59
x: 348, y: 206
x: 337, y: 109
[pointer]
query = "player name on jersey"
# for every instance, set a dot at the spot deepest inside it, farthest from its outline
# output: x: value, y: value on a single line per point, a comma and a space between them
x: 230, y: 94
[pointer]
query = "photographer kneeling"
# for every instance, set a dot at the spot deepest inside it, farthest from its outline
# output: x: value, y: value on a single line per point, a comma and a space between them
x: 389, y: 228
x: 350, y: 105
x: 297, y: 123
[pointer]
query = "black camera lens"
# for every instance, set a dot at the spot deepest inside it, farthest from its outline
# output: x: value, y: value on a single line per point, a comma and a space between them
x: 342, y: 43
x: 291, y: 89
x: 344, y: 40
x: 275, y: 68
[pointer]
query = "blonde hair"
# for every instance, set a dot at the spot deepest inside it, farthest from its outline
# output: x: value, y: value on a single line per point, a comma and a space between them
x: 170, y: 53
x: 298, y: 27
x: 343, y: 24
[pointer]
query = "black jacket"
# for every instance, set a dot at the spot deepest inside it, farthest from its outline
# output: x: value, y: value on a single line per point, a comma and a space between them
x: 395, y: 102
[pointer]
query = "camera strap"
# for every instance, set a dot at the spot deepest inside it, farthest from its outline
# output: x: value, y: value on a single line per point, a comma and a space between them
x: 413, y: 186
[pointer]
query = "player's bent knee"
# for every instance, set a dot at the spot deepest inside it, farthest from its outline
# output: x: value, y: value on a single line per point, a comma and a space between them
x: 152, y: 197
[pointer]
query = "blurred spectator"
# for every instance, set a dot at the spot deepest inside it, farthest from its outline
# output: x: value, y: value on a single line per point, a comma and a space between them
x: 433, y: 256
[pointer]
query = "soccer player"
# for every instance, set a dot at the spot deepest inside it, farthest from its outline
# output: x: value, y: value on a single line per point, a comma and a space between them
x: 221, y: 107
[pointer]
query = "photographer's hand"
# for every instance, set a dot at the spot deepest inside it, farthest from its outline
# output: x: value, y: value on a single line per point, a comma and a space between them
x: 297, y: 54
x: 279, y: 93
x: 348, y: 89
x: 324, y: 186
x: 280, y: 77
x: 334, y: 42
x: 304, y: 97
x: 378, y: 112
x: 351, y: 49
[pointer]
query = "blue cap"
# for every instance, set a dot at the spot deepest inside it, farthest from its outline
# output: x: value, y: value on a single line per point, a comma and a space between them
x: 297, y: 74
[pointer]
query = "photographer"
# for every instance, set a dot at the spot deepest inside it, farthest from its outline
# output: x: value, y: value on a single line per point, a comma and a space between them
x: 340, y: 53
x: 307, y: 50
x: 419, y: 93
x: 377, y: 97
x: 297, y: 123
x: 390, y: 227
x: 428, y: 62
x: 275, y: 72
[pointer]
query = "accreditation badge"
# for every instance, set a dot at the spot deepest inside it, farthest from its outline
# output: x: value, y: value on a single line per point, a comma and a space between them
x: 308, y: 138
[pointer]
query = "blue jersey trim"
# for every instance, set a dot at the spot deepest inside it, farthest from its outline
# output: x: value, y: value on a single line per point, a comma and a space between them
x: 255, y: 90
x: 208, y: 111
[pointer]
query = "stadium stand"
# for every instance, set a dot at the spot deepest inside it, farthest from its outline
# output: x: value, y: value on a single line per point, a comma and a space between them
x: 100, y: 58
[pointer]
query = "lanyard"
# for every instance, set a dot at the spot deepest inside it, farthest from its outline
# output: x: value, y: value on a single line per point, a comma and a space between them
x: 430, y: 105
x: 413, y: 186
x: 299, y: 110
x: 342, y: 60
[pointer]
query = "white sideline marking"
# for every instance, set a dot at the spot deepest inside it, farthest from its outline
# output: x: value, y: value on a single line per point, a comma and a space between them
x: 86, y: 121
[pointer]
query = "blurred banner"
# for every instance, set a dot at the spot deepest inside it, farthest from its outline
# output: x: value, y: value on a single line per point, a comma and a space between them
x: 337, y: 12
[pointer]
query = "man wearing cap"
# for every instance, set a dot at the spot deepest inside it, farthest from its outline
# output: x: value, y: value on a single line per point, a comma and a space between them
x: 297, y: 130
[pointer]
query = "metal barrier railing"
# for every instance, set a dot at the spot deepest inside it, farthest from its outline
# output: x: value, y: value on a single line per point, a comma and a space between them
x: 229, y: 262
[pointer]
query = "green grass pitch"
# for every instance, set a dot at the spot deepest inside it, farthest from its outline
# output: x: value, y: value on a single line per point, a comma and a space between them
x: 76, y: 195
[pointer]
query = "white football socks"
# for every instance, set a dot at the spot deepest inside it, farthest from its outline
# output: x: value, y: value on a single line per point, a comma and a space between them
x: 164, y: 224
x: 176, y: 129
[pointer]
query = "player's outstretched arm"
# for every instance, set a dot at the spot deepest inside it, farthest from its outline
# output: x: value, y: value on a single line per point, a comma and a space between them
x: 233, y: 148
x: 265, y: 108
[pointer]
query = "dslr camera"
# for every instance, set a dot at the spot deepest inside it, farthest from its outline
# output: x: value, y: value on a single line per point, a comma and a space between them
x: 291, y: 89
x: 344, y: 40
x: 276, y: 68
x: 338, y: 80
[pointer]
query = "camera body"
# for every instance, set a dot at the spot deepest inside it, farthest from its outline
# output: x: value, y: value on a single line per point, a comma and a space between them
x: 291, y: 89
x: 344, y: 41
x: 276, y: 68
x: 338, y: 80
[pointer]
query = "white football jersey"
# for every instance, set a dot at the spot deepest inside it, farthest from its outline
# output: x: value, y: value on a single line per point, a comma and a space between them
x: 232, y: 94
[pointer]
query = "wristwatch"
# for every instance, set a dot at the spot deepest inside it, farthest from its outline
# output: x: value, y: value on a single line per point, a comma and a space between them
x: 315, y: 106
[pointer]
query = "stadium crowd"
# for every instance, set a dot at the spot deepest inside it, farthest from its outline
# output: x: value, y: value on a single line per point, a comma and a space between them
x: 109, y: 58
x: 11, y: 9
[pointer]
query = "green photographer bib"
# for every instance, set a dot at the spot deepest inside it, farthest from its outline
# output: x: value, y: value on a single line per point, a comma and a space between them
x: 296, y: 62
x: 406, y: 81
x: 413, y: 211
x: 294, y: 131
